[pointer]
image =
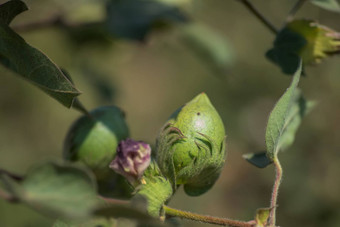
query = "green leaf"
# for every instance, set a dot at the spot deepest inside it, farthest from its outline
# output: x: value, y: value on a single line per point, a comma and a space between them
x: 262, y: 216
x: 211, y: 47
x: 133, y: 19
x: 279, y: 117
x: 259, y: 160
x: 9, y: 10
x: 55, y: 189
x: 35, y: 67
x: 331, y: 5
x: 299, y: 108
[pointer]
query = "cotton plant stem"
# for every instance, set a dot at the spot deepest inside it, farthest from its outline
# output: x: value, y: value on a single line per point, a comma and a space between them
x: 114, y: 201
x: 295, y: 9
x: 275, y: 192
x: 206, y: 219
x: 259, y: 16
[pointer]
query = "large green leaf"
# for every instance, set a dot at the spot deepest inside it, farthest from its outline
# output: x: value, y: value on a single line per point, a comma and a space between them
x: 11, y: 9
x: 133, y: 19
x: 331, y: 5
x: 55, y: 189
x: 34, y: 66
x: 279, y: 118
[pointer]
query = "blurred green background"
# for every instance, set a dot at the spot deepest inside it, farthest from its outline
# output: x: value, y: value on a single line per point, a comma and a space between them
x: 150, y: 79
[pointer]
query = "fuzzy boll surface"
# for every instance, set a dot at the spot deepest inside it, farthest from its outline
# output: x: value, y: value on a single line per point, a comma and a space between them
x: 93, y: 140
x: 197, y: 157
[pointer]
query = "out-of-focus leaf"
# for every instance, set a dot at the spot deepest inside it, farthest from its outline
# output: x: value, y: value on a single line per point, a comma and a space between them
x: 259, y: 160
x: 262, y: 216
x: 209, y: 46
x: 9, y: 10
x: 331, y: 5
x: 34, y: 66
x: 306, y: 39
x: 58, y: 190
x: 279, y: 117
x: 299, y: 108
x: 133, y: 19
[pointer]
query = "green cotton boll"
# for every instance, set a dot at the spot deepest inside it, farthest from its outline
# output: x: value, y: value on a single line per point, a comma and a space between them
x: 93, y: 139
x: 191, y: 146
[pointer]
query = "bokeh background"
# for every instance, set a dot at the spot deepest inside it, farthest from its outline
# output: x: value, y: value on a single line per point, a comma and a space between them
x: 150, y: 79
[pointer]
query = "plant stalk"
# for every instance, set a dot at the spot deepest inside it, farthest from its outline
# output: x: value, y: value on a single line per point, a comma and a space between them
x: 259, y: 16
x: 275, y: 192
x: 294, y: 10
x: 206, y: 219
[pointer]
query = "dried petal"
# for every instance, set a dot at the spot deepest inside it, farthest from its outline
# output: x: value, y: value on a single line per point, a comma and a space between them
x: 132, y: 158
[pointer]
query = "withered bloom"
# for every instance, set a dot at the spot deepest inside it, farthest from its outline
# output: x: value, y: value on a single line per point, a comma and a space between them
x: 132, y: 159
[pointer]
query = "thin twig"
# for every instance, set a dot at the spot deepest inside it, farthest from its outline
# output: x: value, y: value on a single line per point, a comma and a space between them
x: 259, y: 16
x: 12, y: 175
x: 294, y: 10
x: 114, y: 201
x: 275, y: 192
x: 206, y: 219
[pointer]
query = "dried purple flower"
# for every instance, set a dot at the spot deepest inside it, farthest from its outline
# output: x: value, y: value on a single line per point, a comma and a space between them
x: 133, y: 157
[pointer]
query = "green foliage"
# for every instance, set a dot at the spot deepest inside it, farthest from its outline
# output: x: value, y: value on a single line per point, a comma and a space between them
x: 9, y: 10
x: 191, y: 146
x: 133, y: 19
x: 55, y: 189
x: 279, y: 119
x: 35, y: 67
x: 298, y: 109
x: 331, y: 5
x: 93, y: 139
x: 262, y: 216
x: 259, y: 160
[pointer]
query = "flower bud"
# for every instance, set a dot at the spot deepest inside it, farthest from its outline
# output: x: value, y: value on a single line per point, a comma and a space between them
x: 132, y: 159
x: 306, y: 40
x: 93, y: 139
x: 191, y: 146
x: 321, y: 41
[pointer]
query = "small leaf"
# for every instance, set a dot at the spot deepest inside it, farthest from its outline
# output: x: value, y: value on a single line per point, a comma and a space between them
x: 331, y: 5
x: 278, y: 118
x: 259, y: 160
x: 34, y: 66
x: 298, y: 110
x: 59, y: 190
x: 9, y: 10
x: 133, y: 19
x: 261, y: 217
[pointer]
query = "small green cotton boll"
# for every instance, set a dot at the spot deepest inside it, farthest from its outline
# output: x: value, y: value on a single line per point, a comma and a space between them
x: 191, y: 146
x: 93, y: 139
